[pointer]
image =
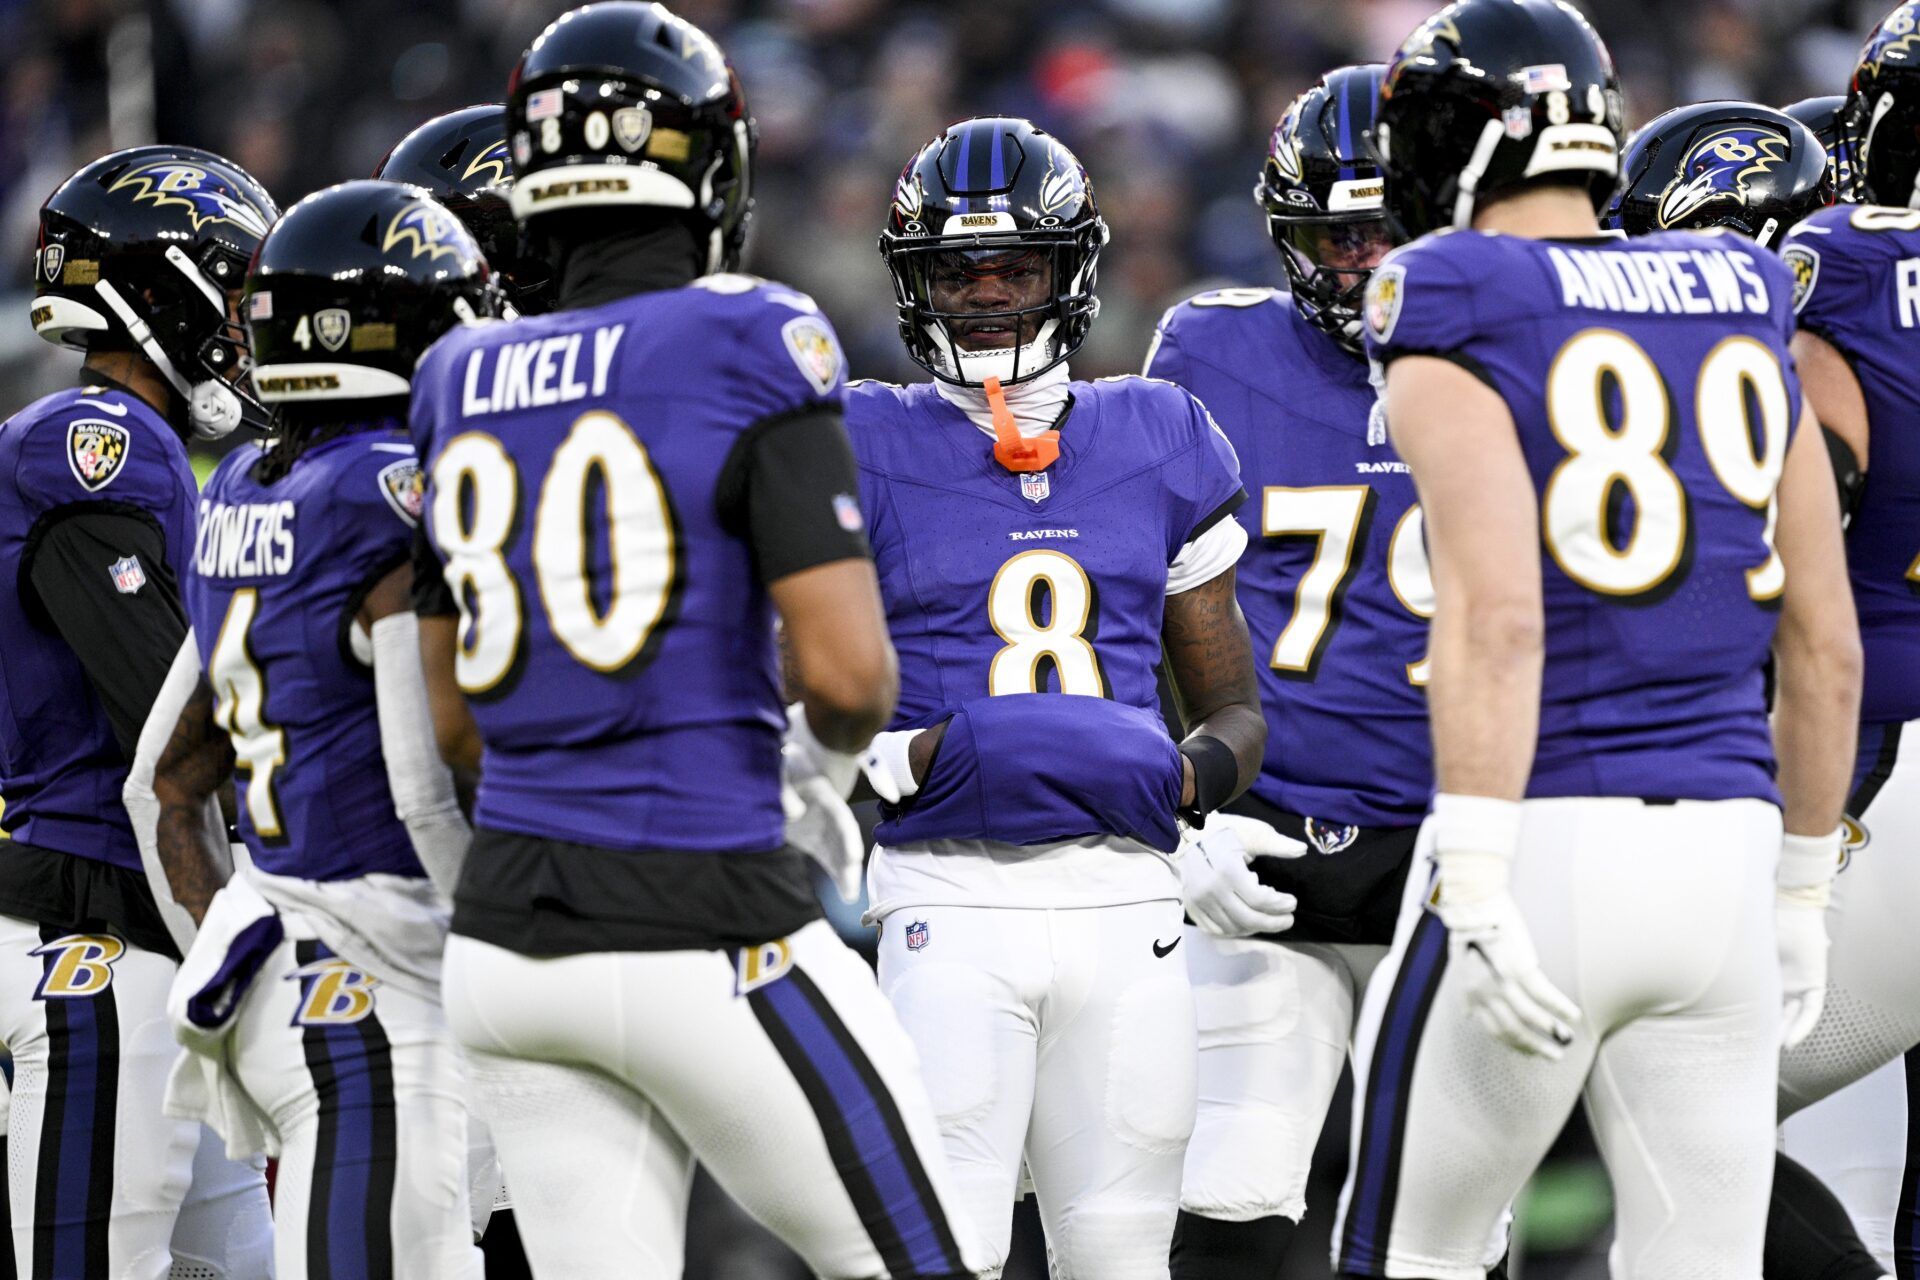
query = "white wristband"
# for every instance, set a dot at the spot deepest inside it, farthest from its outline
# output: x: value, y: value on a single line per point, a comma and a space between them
x: 1476, y: 824
x: 1807, y: 867
x: 888, y: 755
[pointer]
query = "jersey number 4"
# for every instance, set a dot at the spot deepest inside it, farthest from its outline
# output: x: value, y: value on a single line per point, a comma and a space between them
x: 478, y: 507
x: 240, y: 707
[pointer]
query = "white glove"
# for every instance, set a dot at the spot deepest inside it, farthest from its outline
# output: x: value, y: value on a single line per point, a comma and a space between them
x: 820, y: 825
x: 1805, y: 885
x: 814, y: 783
x: 886, y: 764
x: 1488, y: 945
x: 805, y: 756
x: 1218, y: 890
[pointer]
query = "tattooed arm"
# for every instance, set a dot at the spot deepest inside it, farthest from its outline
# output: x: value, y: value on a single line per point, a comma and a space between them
x: 1210, y: 664
x: 198, y: 758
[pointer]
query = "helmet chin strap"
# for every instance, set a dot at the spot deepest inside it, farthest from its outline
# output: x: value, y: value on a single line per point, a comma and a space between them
x: 1463, y: 204
x: 213, y: 410
x: 1881, y: 106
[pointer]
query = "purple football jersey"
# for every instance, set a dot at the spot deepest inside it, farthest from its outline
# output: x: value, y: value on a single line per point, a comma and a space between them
x: 1047, y: 582
x: 617, y: 646
x: 60, y: 767
x: 279, y: 571
x: 1857, y: 272
x: 1334, y: 580
x: 1654, y: 398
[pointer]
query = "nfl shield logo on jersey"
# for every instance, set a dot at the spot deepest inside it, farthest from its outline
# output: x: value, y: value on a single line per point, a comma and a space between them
x: 128, y: 576
x: 917, y: 936
x: 1034, y: 486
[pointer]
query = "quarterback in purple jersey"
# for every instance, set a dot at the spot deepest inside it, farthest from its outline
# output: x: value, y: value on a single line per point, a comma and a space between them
x: 313, y: 982
x: 1857, y: 275
x: 138, y: 256
x: 623, y: 493
x: 1039, y: 540
x: 1626, y: 509
x: 1335, y: 588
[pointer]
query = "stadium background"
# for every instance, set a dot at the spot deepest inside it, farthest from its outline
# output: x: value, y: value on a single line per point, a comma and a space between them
x: 1168, y: 102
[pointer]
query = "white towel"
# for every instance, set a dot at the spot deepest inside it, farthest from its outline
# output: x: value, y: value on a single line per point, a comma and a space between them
x: 202, y: 1085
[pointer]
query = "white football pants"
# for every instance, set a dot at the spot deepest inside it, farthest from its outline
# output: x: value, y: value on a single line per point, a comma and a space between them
x: 1275, y: 1022
x: 1657, y: 921
x: 1856, y: 1141
x: 102, y: 1185
x: 366, y: 1089
x: 1066, y: 1036
x: 604, y: 1076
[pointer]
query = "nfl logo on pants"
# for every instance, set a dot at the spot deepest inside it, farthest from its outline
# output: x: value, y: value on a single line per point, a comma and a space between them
x: 917, y: 935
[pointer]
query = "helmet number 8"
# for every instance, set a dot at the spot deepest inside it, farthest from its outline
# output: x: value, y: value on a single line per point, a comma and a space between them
x: 1604, y: 458
x: 1015, y: 601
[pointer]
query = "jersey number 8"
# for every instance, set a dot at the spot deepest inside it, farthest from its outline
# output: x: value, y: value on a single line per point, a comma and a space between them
x: 477, y: 507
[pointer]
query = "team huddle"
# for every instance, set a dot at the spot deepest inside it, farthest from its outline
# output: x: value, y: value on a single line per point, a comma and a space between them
x: 1484, y: 662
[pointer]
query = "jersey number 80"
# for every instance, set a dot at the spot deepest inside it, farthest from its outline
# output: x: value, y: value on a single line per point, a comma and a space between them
x: 477, y: 507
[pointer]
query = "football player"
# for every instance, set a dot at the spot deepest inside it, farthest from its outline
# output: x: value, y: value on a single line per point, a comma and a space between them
x: 625, y: 492
x: 1625, y: 505
x: 1809, y: 1232
x: 313, y: 983
x: 1335, y: 587
x: 140, y: 253
x: 1857, y: 269
x: 1038, y: 541
x: 1737, y: 165
x: 461, y: 159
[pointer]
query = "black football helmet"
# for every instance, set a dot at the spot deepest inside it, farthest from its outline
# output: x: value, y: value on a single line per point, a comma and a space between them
x: 1488, y: 95
x: 461, y: 160
x: 141, y: 249
x: 1722, y: 164
x: 985, y: 190
x: 352, y: 286
x: 1882, y: 116
x: 1322, y: 194
x: 1826, y: 117
x: 625, y: 104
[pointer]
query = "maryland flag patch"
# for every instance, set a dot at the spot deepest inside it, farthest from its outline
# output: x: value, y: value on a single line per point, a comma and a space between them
x: 404, y: 487
x: 1804, y: 262
x: 1386, y: 291
x: 96, y: 451
x: 812, y: 346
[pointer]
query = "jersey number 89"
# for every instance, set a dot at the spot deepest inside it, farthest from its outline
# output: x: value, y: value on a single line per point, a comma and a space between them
x: 1741, y: 411
x: 477, y: 508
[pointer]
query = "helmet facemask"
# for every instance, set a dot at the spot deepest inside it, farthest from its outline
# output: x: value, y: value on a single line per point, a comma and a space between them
x: 1009, y: 307
x: 1329, y: 258
x: 1882, y: 130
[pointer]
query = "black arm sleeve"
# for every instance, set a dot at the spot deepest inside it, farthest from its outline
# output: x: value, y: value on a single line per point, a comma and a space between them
x: 791, y: 489
x: 432, y: 597
x: 1847, y: 475
x: 125, y: 640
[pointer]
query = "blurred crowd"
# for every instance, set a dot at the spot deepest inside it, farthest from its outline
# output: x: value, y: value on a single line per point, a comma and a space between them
x: 1168, y: 102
